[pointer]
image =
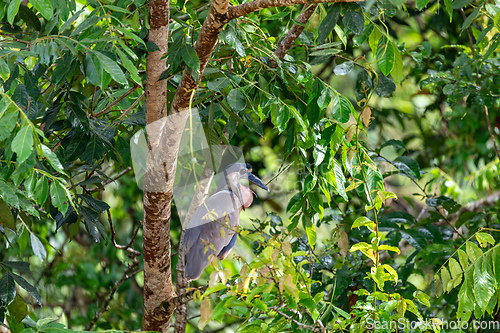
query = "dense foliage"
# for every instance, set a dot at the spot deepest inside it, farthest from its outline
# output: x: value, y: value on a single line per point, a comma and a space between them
x: 376, y: 135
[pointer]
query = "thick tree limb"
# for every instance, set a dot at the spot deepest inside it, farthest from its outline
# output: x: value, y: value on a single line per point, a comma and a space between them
x: 294, y: 33
x: 157, y: 209
x: 156, y: 91
x: 207, y: 39
x: 252, y: 6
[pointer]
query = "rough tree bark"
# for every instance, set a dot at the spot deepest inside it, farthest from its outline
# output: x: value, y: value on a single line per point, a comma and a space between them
x: 160, y: 300
x: 156, y: 232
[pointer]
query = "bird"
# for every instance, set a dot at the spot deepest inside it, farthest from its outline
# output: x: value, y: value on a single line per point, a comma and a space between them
x: 212, y: 229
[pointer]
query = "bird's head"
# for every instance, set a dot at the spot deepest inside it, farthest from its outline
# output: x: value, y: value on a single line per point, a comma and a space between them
x: 233, y: 174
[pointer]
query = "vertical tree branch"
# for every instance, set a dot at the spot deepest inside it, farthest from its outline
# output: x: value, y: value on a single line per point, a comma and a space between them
x: 157, y: 211
x: 207, y: 39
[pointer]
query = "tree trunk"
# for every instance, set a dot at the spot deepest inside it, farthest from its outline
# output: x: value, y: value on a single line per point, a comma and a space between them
x: 156, y: 235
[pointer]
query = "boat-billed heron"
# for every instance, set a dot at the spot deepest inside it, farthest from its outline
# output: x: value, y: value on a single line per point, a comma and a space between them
x: 212, y: 229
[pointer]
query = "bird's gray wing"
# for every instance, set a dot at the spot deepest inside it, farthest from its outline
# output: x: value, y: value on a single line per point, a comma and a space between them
x: 211, y: 213
x: 210, y: 230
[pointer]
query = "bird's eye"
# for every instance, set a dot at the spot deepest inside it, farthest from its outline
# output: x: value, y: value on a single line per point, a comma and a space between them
x: 243, y: 172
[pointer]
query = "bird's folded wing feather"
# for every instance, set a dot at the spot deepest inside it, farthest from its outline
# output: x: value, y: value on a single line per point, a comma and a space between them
x: 220, y: 211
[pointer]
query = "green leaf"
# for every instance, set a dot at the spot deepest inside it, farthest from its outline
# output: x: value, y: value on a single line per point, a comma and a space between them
x: 89, y: 21
x: 311, y: 235
x: 389, y: 248
x: 360, y: 247
x: 4, y: 70
x: 339, y: 180
x: 219, y: 84
x: 394, y: 143
x: 438, y: 286
x: 37, y: 246
x: 445, y: 275
x: 397, y: 71
x: 131, y: 35
x: 422, y: 297
x: 353, y: 17
x: 18, y: 310
x: 344, y: 68
x: 385, y: 87
x: 294, y: 204
x: 466, y: 298
x: 6, y: 218
x: 483, y: 239
x: 456, y: 272
x: 58, y: 196
x: 71, y: 20
x: 91, y: 219
x: 7, y: 288
x: 19, y: 265
x: 421, y: 4
x: 385, y: 56
x: 22, y: 144
x: 414, y: 238
x: 192, y: 61
x: 325, y: 98
x: 94, y: 151
x: 473, y: 252
x: 462, y: 257
x: 12, y: 10
x: 342, y: 108
x: 484, y: 284
x: 448, y: 8
x: 363, y: 221
x: 231, y: 39
x: 297, y: 116
x: 236, y: 100
x: 325, y: 52
x: 118, y: 9
x: 470, y: 18
x: 44, y: 7
x: 329, y: 22
x: 374, y: 39
x: 407, y: 166
x: 8, y: 194
x: 41, y: 190
x: 110, y: 66
x: 127, y: 63
x: 457, y: 4
x: 494, y: 46
x: 52, y: 158
x: 78, y: 117
x: 28, y: 287
x: 96, y: 204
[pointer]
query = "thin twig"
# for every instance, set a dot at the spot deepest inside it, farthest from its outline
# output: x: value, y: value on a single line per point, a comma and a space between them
x: 16, y: 39
x: 123, y: 247
x: 107, y: 181
x: 301, y: 325
x: 132, y: 106
x: 118, y: 100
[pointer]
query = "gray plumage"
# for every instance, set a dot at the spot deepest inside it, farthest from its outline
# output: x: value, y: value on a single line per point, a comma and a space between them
x: 211, y: 230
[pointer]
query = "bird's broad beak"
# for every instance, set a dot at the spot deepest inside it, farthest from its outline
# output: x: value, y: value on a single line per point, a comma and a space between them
x: 257, y: 181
